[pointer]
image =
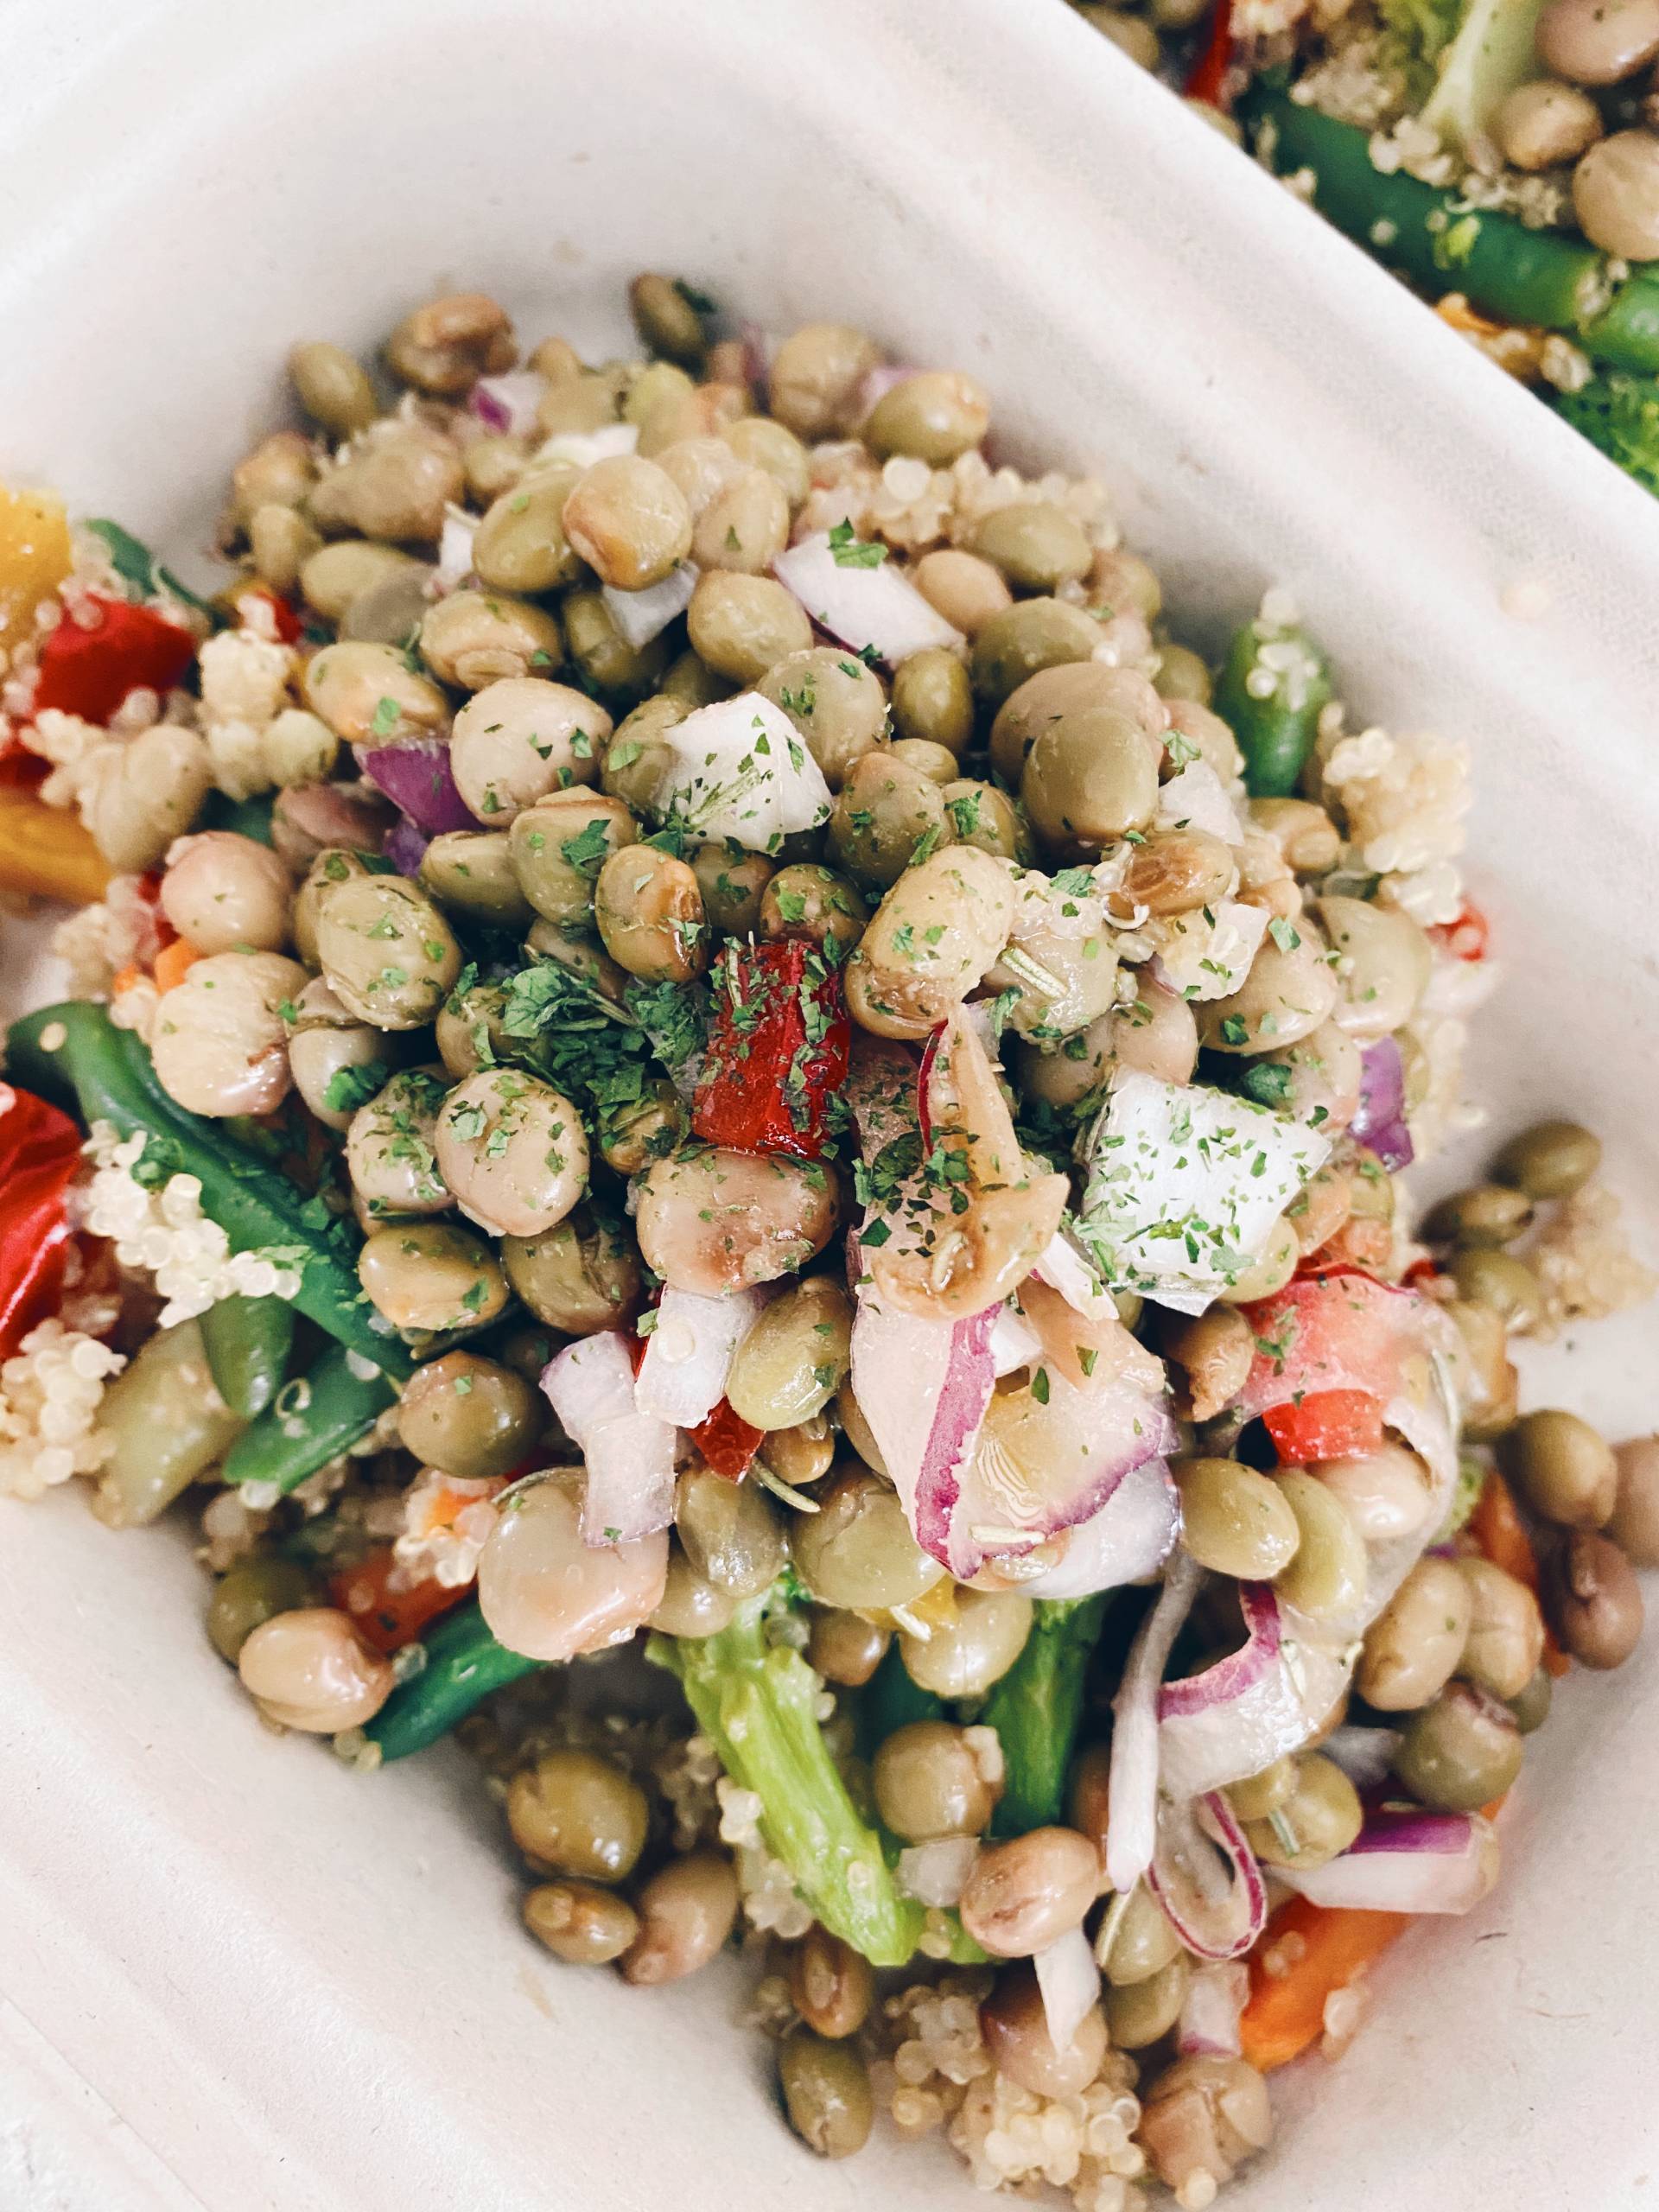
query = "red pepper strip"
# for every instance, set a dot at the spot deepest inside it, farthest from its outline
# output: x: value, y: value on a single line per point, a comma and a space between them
x: 778, y: 1048
x: 90, y: 672
x: 39, y: 1151
x: 388, y: 1619
x: 727, y: 1443
x: 286, y: 617
x: 1326, y: 1425
x: 1209, y: 70
x: 21, y: 769
x: 1467, y: 936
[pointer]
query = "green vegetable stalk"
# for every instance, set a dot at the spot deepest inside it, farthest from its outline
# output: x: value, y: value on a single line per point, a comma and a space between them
x: 247, y: 1341
x: 464, y: 1664
x: 1036, y: 1709
x: 1620, y: 414
x: 754, y: 1700
x: 303, y: 1429
x: 104, y: 1074
x: 890, y: 1701
x: 1272, y: 688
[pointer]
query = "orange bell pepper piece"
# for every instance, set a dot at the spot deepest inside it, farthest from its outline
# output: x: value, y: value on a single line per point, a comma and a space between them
x: 34, y: 558
x: 1497, y: 1527
x: 1285, y: 2011
x: 47, y: 853
x: 174, y: 961
x: 386, y: 1619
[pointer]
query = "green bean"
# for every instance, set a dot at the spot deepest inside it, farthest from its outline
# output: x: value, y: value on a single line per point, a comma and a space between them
x: 106, y: 1074
x: 1035, y: 1709
x: 306, y: 1427
x: 890, y: 1701
x: 464, y: 1664
x: 1274, y: 732
x: 248, y: 817
x: 247, y: 1341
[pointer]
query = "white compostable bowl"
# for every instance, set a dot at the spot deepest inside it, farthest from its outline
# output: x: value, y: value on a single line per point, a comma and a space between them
x: 233, y: 1974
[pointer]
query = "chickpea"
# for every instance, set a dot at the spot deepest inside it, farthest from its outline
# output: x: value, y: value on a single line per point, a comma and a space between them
x: 808, y: 901
x: 1554, y: 1161
x: 280, y: 471
x: 521, y: 739
x: 795, y: 1357
x: 1305, y: 834
x: 1381, y: 965
x: 388, y: 1146
x: 389, y: 955
x: 138, y: 797
x: 649, y: 914
x: 629, y: 521
x: 220, y: 1045
x: 733, y: 883
x: 1258, y: 1796
x: 1414, y: 1645
x: 475, y: 639
x: 1480, y: 1218
x: 744, y: 527
x: 973, y: 1647
x: 932, y: 699
x: 1318, y: 1820
x: 1634, y: 1526
x: 883, y: 812
x: 468, y: 1416
x: 546, y: 1593
x: 580, y: 1923
x: 310, y: 1669
x: 686, y: 1912
x: 730, y: 1532
x: 1270, y: 1270
x: 520, y: 544
x: 1141, y: 2012
x: 1595, y: 1600
x: 251, y: 1593
x: 444, y: 346
x: 967, y: 590
x: 801, y: 1455
x: 222, y: 892
x: 830, y: 1985
x: 816, y: 378
x: 1032, y: 635
x: 428, y: 1275
x: 979, y: 813
x: 691, y: 1606
x: 1564, y: 1470
x: 744, y: 625
x: 1288, y: 996
x: 1237, y: 1521
x: 857, y: 1551
x: 575, y: 1812
x: 846, y: 1648
x: 332, y: 388
x: 1201, y: 2119
x: 1326, y: 1575
x: 1541, y: 124
x: 1015, y: 2024
x: 1022, y: 1895
x: 636, y: 761
x: 1506, y: 1631
x: 936, y: 417
x: 933, y: 1779
x: 579, y: 1277
x: 1459, y: 1752
x: 1090, y: 777
x: 827, y: 2093
x: 834, y: 702
x: 366, y: 695
x: 723, y: 1220
x: 902, y: 980
x: 649, y: 1127
x: 394, y: 483
x: 1037, y: 545
x: 512, y: 1151
x: 298, y: 748
x: 761, y: 443
x: 1217, y: 1351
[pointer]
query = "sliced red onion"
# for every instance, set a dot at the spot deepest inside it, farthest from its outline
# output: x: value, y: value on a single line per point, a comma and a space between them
x: 1207, y: 954
x: 404, y: 846
x: 1014, y: 1343
x: 639, y: 616
x: 1364, y: 1754
x: 934, y: 1874
x: 415, y: 776
x: 757, y: 349
x: 1063, y: 1267
x: 1408, y: 1861
x: 1216, y: 1997
x: 1198, y: 799
x: 689, y: 1353
x: 738, y: 769
x: 879, y: 382
x: 1379, y: 1122
x: 1130, y: 1538
x: 456, y: 549
x: 874, y: 609
x: 1069, y: 1980
x: 1204, y: 1875
x: 923, y: 1387
x: 1131, y: 1826
x: 1260, y: 1702
x: 629, y: 1454
x: 508, y: 402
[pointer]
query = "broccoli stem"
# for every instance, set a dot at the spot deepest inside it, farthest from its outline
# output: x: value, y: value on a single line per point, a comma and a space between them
x: 1509, y: 271
x: 755, y: 1701
x: 1036, y: 1709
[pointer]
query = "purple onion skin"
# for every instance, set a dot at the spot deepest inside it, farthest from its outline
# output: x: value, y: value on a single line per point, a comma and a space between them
x: 1380, y: 1121
x: 405, y: 847
x: 415, y: 776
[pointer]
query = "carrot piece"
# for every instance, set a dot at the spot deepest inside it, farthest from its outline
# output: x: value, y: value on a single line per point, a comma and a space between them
x: 386, y: 1619
x: 1497, y: 1527
x: 1285, y: 2011
x: 126, y: 977
x: 173, y: 962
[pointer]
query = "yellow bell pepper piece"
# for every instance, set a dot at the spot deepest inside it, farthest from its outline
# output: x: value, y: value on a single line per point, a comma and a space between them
x: 46, y: 853
x: 34, y: 558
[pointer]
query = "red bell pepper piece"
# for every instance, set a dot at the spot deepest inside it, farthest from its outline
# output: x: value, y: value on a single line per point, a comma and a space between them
x: 288, y: 622
x: 386, y: 1619
x: 1209, y: 71
x: 778, y: 1049
x: 726, y: 1442
x: 39, y: 1151
x: 1467, y: 936
x: 90, y: 672
x: 1326, y: 1425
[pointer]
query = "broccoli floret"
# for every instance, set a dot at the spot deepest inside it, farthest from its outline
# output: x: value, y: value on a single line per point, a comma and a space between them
x: 756, y: 1700
x: 1415, y: 33
x: 1493, y: 50
x: 1620, y: 414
